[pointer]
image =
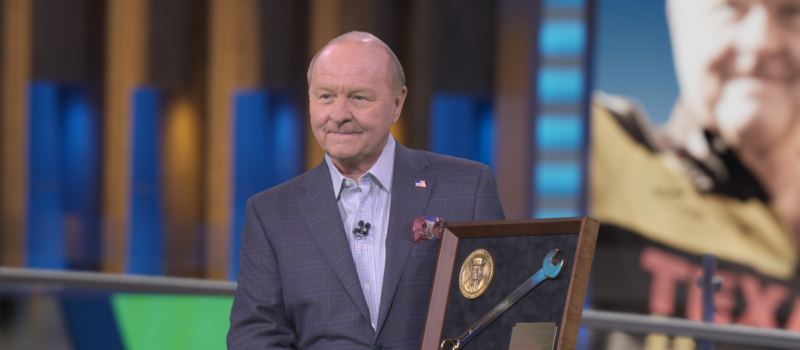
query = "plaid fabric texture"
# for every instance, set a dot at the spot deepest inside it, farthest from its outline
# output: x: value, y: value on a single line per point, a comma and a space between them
x: 299, y: 287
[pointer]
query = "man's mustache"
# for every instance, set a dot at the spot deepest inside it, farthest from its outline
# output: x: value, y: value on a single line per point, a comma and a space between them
x: 344, y: 129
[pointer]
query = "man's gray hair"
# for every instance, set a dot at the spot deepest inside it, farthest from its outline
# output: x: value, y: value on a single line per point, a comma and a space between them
x: 395, y: 69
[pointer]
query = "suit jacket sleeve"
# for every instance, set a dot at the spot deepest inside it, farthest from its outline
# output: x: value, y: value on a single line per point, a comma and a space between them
x: 258, y: 319
x: 487, y: 199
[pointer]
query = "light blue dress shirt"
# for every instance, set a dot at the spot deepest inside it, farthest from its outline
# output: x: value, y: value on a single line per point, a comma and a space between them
x: 368, y: 200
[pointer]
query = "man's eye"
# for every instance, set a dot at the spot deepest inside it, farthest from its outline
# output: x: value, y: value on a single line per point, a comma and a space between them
x: 360, y: 98
x: 789, y: 12
x: 734, y: 8
x: 325, y: 96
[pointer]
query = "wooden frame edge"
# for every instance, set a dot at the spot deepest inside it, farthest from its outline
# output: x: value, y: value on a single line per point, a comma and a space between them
x: 584, y: 254
x: 445, y: 265
x: 438, y: 308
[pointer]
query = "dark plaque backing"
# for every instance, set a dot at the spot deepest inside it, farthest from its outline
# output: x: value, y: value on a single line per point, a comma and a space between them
x: 518, y: 249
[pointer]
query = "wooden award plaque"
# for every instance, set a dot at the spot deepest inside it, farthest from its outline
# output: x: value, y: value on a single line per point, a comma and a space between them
x: 517, y: 250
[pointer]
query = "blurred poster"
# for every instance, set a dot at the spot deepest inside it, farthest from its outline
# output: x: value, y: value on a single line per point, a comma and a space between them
x: 696, y: 150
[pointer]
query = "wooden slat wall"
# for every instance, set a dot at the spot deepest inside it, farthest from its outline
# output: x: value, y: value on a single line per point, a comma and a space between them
x: 182, y: 162
x: 419, y: 72
x: 125, y: 67
x: 15, y: 50
x: 325, y: 26
x: 283, y: 37
x: 233, y: 63
x: 515, y: 107
x: 222, y: 61
x: 177, y: 66
x: 379, y: 18
x: 249, y: 60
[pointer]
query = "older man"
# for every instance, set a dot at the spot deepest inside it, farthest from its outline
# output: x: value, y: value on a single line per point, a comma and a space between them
x: 738, y: 64
x: 327, y: 259
x: 723, y: 178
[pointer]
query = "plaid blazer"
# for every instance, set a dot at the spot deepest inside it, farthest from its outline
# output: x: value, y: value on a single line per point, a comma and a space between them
x: 298, y: 284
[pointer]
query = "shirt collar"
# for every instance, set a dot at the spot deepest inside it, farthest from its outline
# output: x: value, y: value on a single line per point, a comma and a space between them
x: 382, y: 170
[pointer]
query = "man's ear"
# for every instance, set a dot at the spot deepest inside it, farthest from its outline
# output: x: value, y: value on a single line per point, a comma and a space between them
x: 398, y: 103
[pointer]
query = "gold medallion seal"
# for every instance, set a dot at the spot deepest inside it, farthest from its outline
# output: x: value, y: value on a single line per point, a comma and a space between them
x: 476, y: 274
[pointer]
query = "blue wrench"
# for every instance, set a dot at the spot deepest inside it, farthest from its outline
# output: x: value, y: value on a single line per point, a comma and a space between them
x: 550, y: 269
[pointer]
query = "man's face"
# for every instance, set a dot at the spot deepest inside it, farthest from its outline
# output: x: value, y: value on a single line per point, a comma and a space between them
x: 738, y: 63
x: 351, y: 101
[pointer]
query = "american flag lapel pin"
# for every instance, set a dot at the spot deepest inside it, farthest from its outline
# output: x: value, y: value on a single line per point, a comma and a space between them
x: 420, y: 183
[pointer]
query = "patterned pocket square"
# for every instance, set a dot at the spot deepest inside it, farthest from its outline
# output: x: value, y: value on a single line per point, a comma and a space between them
x: 427, y: 228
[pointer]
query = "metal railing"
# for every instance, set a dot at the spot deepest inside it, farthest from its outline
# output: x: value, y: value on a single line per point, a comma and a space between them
x: 643, y: 324
x: 114, y: 282
x: 593, y: 319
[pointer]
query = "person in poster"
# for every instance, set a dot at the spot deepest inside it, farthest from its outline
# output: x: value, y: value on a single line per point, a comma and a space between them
x: 722, y: 177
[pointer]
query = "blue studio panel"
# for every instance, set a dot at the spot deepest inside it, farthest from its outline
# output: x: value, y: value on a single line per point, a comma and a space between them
x: 64, y: 198
x: 558, y: 178
x: 559, y: 133
x: 545, y: 213
x: 560, y: 85
x: 288, y: 138
x: 45, y: 205
x: 81, y: 178
x: 145, y: 240
x: 267, y: 151
x: 562, y: 37
x: 462, y: 125
x: 252, y: 159
x: 561, y: 128
x: 571, y: 4
x: 91, y: 321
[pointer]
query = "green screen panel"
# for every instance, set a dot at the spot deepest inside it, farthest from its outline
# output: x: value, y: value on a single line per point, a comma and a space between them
x: 153, y: 322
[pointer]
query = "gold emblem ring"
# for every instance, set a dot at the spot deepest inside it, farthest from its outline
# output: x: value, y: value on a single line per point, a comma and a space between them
x: 476, y: 274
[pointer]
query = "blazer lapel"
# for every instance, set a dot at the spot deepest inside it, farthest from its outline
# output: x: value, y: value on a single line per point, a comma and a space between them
x: 408, y: 202
x: 321, y: 213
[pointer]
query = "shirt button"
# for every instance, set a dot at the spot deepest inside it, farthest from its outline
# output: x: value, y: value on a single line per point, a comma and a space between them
x: 377, y: 347
x: 363, y: 209
x: 364, y: 247
x: 366, y: 286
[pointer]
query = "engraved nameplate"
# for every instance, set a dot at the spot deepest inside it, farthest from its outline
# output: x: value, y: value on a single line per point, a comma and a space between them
x: 533, y: 336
